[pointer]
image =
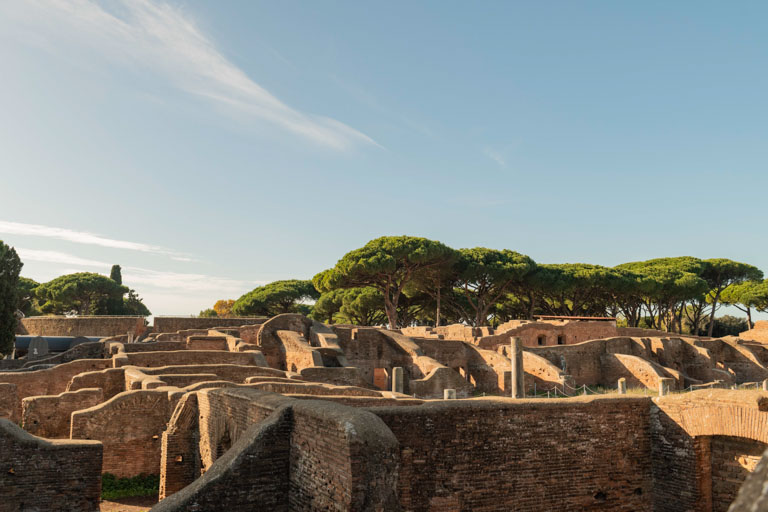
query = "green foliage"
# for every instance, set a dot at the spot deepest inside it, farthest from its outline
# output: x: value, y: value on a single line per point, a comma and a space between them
x: 10, y: 266
x: 362, y: 306
x: 484, y: 276
x: 328, y: 306
x: 116, y: 274
x: 115, y: 305
x: 275, y: 298
x: 134, y: 305
x: 27, y: 301
x: 85, y: 293
x: 749, y: 294
x: 208, y: 313
x: 728, y: 325
x: 388, y: 264
x: 665, y: 285
x: 113, y: 488
x: 721, y: 273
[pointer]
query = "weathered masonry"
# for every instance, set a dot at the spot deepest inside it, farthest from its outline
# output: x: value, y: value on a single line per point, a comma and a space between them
x: 291, y: 414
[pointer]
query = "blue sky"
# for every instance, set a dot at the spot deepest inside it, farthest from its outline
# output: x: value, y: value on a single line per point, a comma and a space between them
x: 214, y: 146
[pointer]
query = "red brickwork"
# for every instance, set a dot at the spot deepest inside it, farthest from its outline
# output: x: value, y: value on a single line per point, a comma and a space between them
x: 51, y: 476
x: 130, y: 426
x: 573, y: 454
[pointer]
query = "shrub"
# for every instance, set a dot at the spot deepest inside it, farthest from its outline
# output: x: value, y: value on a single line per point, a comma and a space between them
x: 113, y: 488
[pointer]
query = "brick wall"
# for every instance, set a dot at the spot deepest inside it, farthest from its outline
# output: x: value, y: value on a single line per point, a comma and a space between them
x: 681, y: 429
x: 189, y: 357
x: 130, y: 426
x: 253, y: 475
x: 111, y: 381
x: 331, y: 457
x: 81, y: 326
x: 55, y: 476
x: 732, y: 459
x: 207, y: 343
x: 572, y: 454
x: 51, y: 381
x: 10, y: 405
x: 49, y: 416
x: 179, y: 323
x: 92, y: 350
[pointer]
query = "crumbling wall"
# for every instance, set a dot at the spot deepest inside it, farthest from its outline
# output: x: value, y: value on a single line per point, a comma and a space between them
x: 732, y: 460
x: 130, y: 426
x: 111, y: 381
x: 329, y: 457
x: 51, y: 381
x: 90, y: 350
x: 54, y: 476
x: 682, y: 427
x: 49, y: 416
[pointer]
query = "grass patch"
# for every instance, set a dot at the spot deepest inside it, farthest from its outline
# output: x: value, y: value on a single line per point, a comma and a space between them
x: 113, y: 488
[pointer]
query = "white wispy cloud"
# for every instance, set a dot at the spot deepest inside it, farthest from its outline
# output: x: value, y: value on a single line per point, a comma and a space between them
x: 57, y: 257
x: 84, y: 237
x: 156, y: 34
x: 496, y: 156
x: 133, y: 276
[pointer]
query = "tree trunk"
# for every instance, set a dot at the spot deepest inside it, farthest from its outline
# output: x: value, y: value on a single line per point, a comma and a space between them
x: 437, y: 311
x: 750, y: 325
x: 712, y: 314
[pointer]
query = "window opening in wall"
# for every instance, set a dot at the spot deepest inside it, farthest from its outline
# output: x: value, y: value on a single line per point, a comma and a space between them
x: 561, y: 340
x: 542, y: 340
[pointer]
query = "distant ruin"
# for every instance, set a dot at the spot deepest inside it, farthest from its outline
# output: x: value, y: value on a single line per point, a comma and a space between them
x: 287, y: 413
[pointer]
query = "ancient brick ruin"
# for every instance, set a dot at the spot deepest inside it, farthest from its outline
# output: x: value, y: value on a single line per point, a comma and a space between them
x: 291, y: 414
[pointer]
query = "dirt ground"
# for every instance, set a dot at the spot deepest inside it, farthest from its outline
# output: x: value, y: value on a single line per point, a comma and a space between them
x: 142, y: 504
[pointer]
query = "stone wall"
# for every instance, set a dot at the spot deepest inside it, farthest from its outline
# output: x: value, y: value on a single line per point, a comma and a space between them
x: 51, y: 476
x: 524, y: 455
x: 178, y: 323
x: 81, y: 325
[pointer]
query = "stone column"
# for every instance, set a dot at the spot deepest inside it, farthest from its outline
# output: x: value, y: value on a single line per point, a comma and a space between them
x: 765, y: 385
x: 449, y: 394
x: 622, y: 386
x: 518, y: 373
x: 665, y: 385
x: 397, y: 379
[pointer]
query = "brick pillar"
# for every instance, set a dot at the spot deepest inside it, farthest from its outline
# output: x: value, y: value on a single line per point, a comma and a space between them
x: 665, y: 385
x: 397, y: 379
x: 622, y: 386
x: 449, y: 394
x: 516, y: 360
